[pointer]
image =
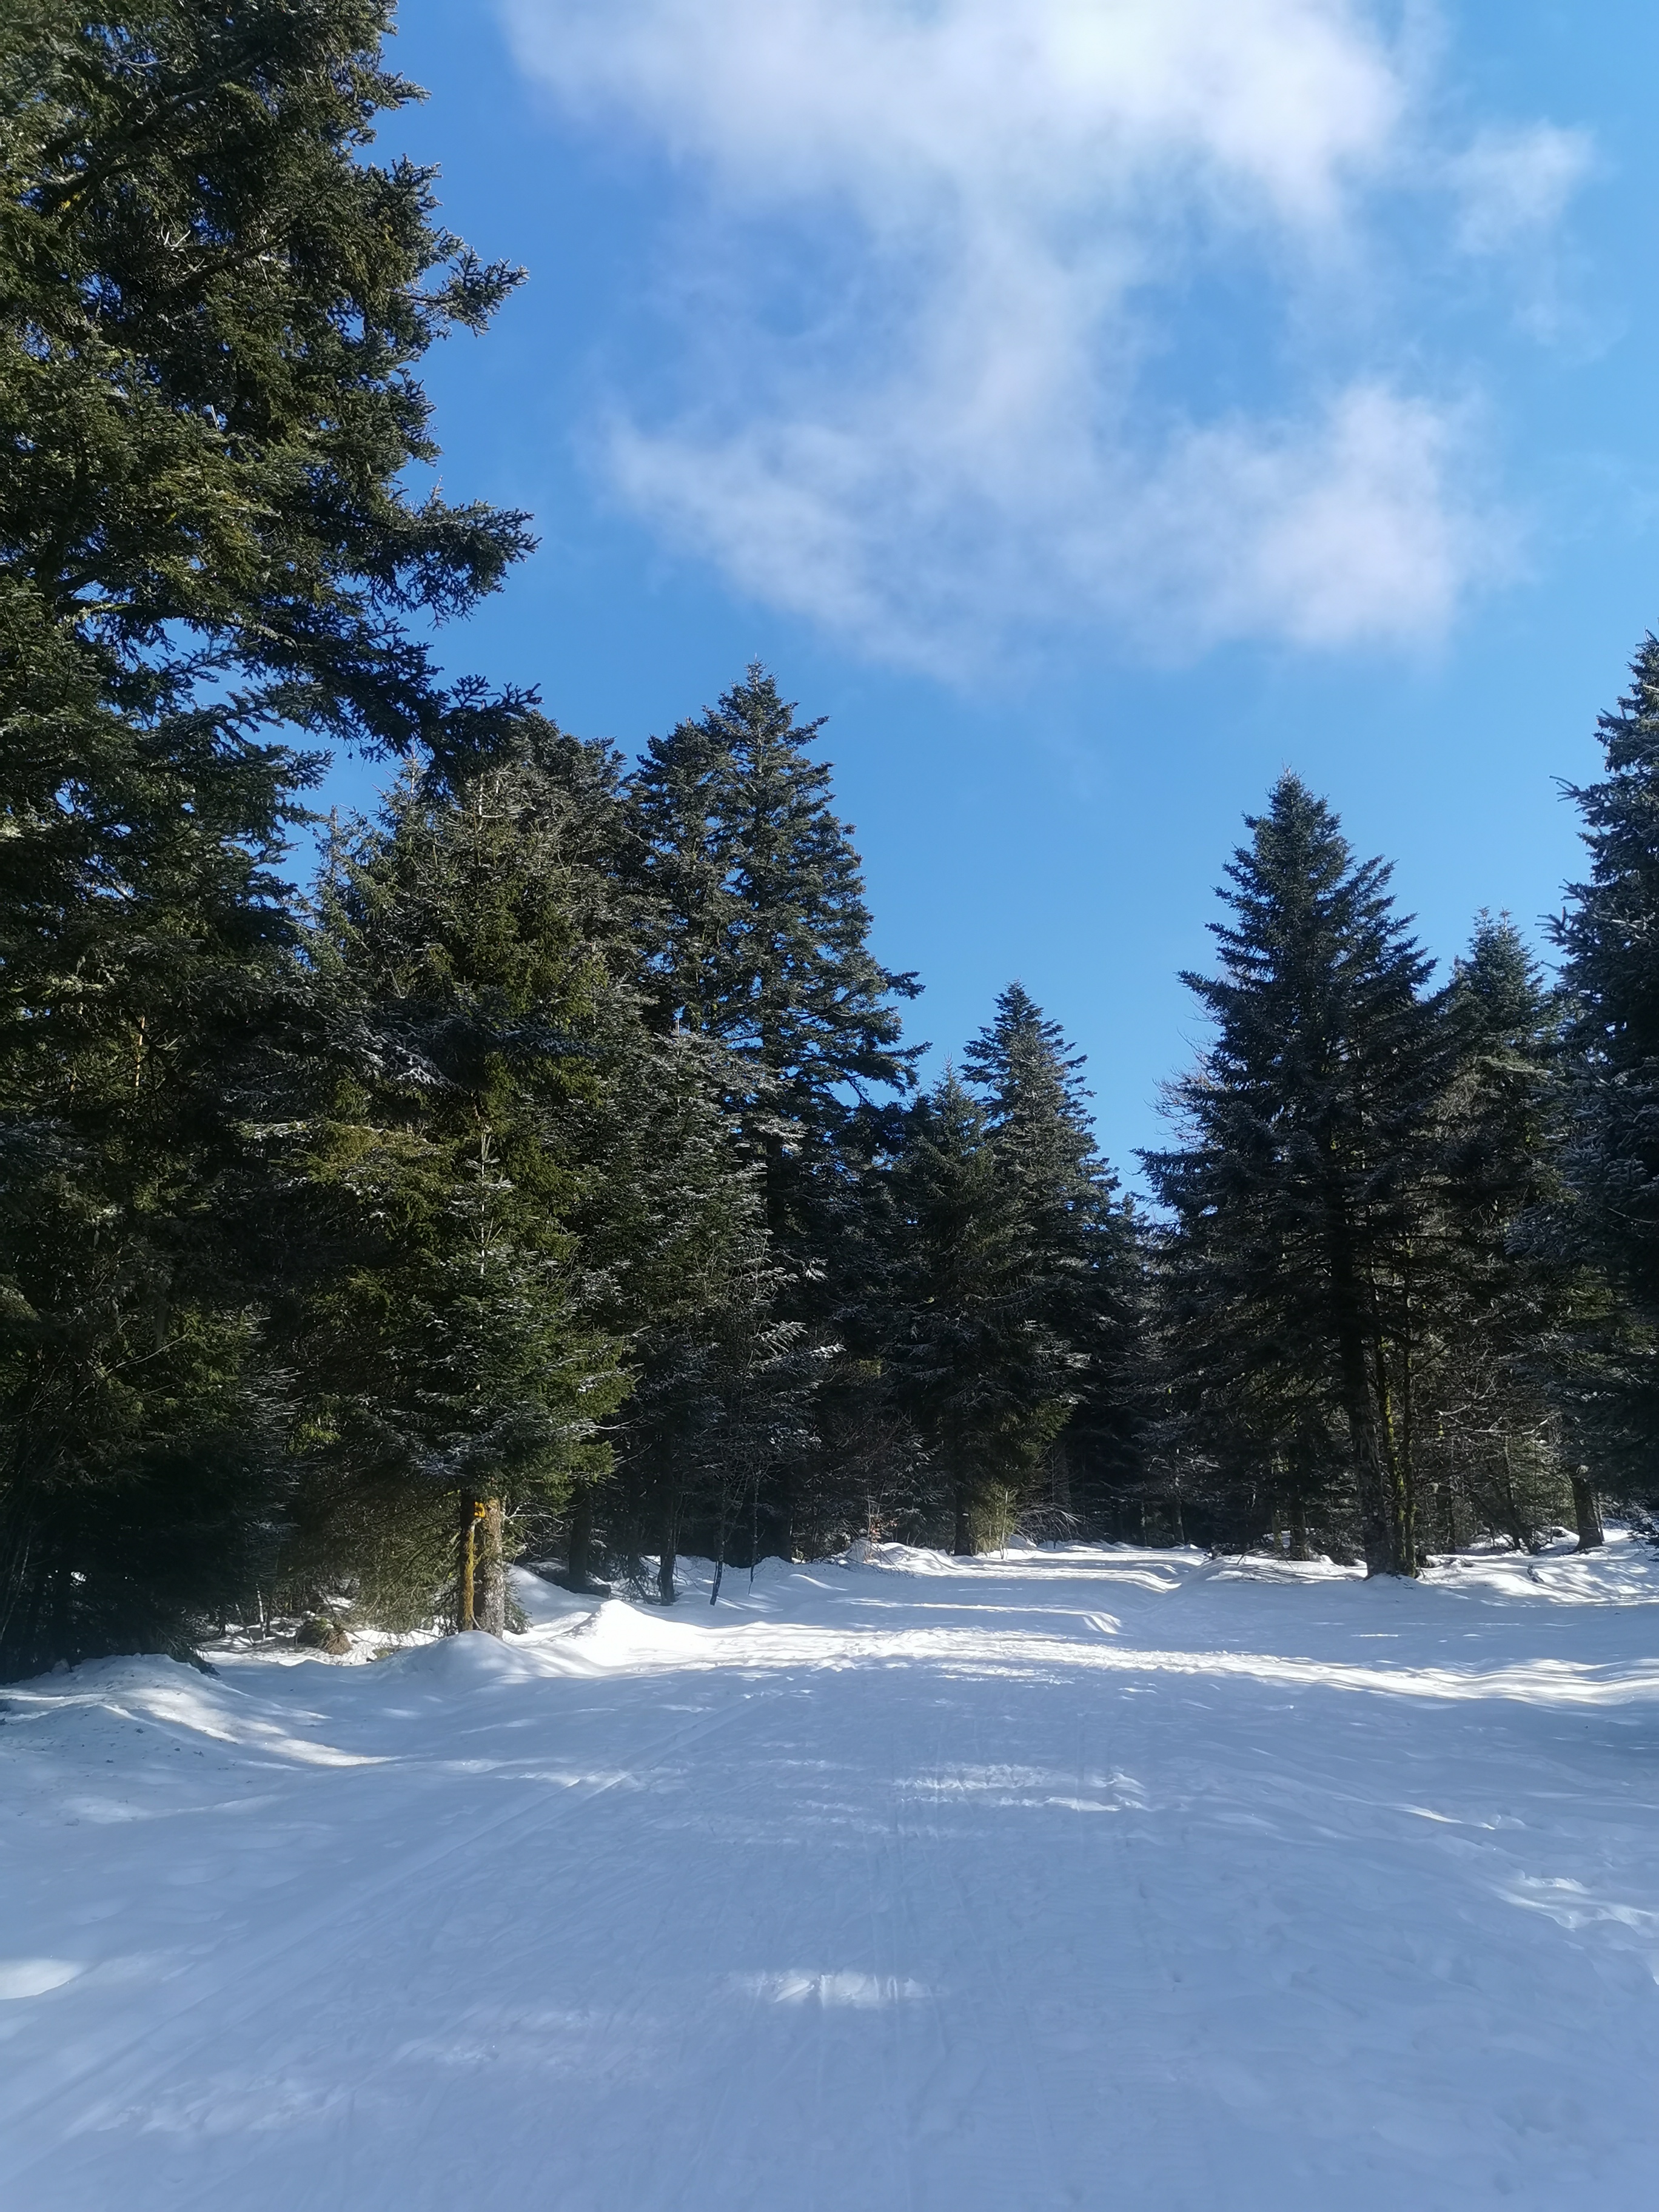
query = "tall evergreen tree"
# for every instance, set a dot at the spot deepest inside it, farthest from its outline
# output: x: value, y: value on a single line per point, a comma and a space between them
x: 212, y: 308
x: 765, y: 949
x: 1500, y: 1292
x: 1611, y: 979
x: 1038, y: 1119
x: 766, y: 933
x: 453, y: 1343
x: 1308, y: 1132
x: 1083, y: 1252
x: 985, y: 1378
x: 675, y: 1224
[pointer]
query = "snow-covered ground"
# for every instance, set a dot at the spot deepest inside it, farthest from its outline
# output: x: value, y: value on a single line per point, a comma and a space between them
x: 1091, y: 1878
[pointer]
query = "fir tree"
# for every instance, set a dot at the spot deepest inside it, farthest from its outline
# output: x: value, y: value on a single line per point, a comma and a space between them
x: 765, y: 949
x: 1611, y: 979
x: 675, y: 1224
x: 1083, y: 1254
x: 210, y: 311
x: 1308, y: 1132
x: 766, y: 933
x: 1498, y: 1292
x: 453, y: 1345
x: 978, y: 1363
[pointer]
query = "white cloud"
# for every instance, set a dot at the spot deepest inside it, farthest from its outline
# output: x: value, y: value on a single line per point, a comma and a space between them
x: 1048, y: 101
x: 1513, y: 184
x: 980, y: 440
x: 1343, y: 530
x: 1337, y: 531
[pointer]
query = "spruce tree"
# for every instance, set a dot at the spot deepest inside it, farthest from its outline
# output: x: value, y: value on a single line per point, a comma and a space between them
x: 765, y: 941
x: 675, y: 1229
x: 1611, y: 982
x: 718, y: 1403
x: 764, y: 950
x: 1498, y: 1295
x: 212, y: 308
x: 976, y: 1362
x: 1296, y: 1192
x: 452, y: 1344
x: 1083, y: 1249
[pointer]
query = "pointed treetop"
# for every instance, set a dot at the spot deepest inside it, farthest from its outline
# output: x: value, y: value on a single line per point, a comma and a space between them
x: 768, y: 928
x: 1497, y: 982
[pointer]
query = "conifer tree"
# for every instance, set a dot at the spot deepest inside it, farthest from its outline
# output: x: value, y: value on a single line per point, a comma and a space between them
x: 676, y: 1225
x: 765, y: 949
x: 718, y: 1403
x: 211, y: 307
x: 978, y: 1363
x: 766, y: 933
x: 453, y: 1343
x: 1307, y: 1132
x: 1038, y: 1120
x: 1611, y: 979
x: 1083, y: 1246
x: 1498, y: 1293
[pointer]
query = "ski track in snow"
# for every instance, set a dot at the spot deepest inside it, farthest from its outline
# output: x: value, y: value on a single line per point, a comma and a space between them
x: 1090, y: 1877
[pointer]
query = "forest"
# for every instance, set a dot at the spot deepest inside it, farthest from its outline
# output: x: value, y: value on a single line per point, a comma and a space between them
x: 550, y: 1175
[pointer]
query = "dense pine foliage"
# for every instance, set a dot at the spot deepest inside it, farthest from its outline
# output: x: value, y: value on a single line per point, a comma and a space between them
x: 551, y: 1178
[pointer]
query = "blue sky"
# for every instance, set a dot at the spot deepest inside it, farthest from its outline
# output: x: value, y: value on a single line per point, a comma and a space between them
x: 1092, y: 406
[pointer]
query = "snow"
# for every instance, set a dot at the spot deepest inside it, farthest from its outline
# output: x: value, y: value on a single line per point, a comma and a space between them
x: 1067, y: 1877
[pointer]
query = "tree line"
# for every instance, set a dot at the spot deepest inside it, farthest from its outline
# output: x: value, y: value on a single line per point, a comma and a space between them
x: 551, y: 1178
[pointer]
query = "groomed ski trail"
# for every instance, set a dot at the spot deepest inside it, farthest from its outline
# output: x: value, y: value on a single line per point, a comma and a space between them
x: 1078, y: 1878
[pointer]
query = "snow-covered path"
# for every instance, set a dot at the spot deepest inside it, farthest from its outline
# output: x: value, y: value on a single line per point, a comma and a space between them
x: 1085, y: 1879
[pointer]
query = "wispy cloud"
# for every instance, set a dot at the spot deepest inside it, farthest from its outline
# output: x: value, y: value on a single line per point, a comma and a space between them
x: 1512, y: 186
x: 980, y: 430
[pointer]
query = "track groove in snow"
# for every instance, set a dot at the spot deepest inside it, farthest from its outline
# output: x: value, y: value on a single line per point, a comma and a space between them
x: 224, y: 1995
x: 1087, y: 1879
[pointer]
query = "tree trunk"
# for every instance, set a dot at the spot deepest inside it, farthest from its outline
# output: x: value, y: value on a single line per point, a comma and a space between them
x: 667, y: 1543
x: 1521, y: 1534
x: 491, y: 1570
x: 784, y: 1490
x: 1400, y: 1505
x: 578, y: 1573
x: 1298, y: 1525
x: 1060, y: 1477
x: 1587, y: 1511
x: 1355, y: 1339
x: 962, y: 1545
x: 1374, y: 1517
x: 1375, y: 1521
x: 465, y: 1560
